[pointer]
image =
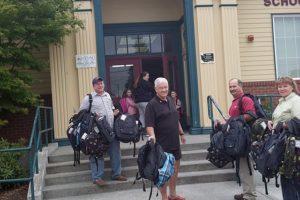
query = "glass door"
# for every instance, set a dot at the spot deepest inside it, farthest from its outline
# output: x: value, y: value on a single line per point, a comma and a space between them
x: 121, y: 74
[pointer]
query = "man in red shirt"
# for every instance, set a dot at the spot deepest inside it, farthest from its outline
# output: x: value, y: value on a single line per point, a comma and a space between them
x: 247, y: 180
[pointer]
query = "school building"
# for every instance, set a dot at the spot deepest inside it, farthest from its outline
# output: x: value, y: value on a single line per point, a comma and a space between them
x: 198, y: 45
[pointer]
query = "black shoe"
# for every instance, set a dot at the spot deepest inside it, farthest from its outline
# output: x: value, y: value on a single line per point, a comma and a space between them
x: 239, y: 197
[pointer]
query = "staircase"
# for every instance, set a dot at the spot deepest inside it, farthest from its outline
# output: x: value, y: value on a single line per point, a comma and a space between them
x: 65, y: 180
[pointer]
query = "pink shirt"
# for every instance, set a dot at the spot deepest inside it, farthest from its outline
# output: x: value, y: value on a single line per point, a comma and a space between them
x: 132, y: 108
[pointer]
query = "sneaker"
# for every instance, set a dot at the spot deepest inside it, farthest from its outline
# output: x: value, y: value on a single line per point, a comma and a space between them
x: 120, y: 178
x: 176, y: 198
x: 239, y: 197
x: 100, y: 182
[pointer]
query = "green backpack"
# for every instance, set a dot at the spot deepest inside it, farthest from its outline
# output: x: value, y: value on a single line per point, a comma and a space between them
x: 291, y: 164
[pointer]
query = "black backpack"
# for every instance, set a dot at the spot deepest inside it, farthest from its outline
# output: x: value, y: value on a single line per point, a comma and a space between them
x: 104, y: 129
x: 151, y: 157
x: 237, y: 137
x: 215, y: 152
x: 237, y: 141
x: 267, y: 155
x: 127, y: 129
x: 94, y: 143
x: 260, y: 112
x: 78, y: 125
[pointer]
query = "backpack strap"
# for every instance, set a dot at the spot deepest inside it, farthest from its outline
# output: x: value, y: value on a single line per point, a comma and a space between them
x: 249, y: 166
x: 253, y: 115
x: 90, y: 101
x: 237, y: 170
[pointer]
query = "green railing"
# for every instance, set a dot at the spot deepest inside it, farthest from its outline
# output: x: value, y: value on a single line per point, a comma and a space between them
x: 268, y: 101
x: 210, y: 103
x: 42, y: 126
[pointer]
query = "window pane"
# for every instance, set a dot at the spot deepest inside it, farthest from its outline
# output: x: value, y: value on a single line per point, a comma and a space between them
x: 110, y: 46
x: 133, y: 44
x: 290, y: 47
x: 281, y: 67
x: 297, y: 26
x: 121, y: 44
x: 144, y: 43
x: 298, y: 45
x: 292, y: 67
x: 279, y: 30
x: 121, y: 77
x: 167, y: 41
x: 155, y: 43
x: 287, y: 45
x: 280, y: 48
x: 289, y: 26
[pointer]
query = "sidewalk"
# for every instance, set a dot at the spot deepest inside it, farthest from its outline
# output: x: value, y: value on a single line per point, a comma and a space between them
x: 205, y: 191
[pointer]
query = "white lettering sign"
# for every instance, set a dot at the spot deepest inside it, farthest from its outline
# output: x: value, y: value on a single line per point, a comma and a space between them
x: 86, y: 60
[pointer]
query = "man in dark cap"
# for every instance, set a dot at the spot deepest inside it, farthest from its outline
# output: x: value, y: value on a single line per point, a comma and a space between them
x: 103, y: 106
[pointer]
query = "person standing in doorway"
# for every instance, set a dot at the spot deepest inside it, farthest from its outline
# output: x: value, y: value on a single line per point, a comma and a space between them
x: 143, y: 93
x: 163, y: 127
x: 127, y: 103
x: 177, y: 103
x: 102, y: 105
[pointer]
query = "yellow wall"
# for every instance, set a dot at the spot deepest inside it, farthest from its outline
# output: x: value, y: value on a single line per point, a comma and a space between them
x: 70, y: 84
x: 128, y: 11
x: 257, y: 57
x: 216, y: 31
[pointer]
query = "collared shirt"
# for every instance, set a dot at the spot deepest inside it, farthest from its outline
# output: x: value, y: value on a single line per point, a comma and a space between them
x: 163, y: 117
x: 102, y: 105
x: 247, y: 105
x: 288, y: 108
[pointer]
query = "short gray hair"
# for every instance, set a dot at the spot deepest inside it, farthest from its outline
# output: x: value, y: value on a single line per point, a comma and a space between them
x: 160, y: 80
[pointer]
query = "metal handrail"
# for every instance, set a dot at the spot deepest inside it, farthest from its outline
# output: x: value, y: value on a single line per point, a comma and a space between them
x: 210, y: 103
x: 35, y: 144
x: 269, y: 108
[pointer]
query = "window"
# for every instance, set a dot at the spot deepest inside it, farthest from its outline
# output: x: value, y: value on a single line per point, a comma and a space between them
x: 135, y: 44
x: 286, y: 30
x: 122, y: 77
x: 110, y: 46
x: 121, y: 43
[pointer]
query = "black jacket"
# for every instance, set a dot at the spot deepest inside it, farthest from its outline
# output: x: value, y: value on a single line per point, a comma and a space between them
x: 144, y: 91
x: 294, y: 126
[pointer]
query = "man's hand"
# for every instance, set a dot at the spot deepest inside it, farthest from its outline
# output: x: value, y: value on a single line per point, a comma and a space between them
x: 182, y: 139
x: 270, y: 125
x: 152, y: 139
x: 116, y: 112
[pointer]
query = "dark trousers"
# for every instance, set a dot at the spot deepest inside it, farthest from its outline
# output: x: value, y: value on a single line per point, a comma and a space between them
x: 290, y: 188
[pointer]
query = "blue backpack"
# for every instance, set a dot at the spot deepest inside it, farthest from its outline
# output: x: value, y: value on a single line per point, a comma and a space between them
x: 166, y: 171
x: 79, y: 124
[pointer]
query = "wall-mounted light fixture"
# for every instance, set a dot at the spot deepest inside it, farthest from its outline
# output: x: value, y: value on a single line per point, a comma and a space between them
x: 250, y: 38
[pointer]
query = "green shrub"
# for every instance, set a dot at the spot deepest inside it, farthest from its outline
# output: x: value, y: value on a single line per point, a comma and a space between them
x: 10, y: 166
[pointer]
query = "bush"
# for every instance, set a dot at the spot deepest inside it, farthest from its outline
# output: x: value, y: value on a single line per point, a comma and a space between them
x: 10, y: 166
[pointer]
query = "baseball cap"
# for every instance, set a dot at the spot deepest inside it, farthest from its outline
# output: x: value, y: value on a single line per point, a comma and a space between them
x: 96, y: 80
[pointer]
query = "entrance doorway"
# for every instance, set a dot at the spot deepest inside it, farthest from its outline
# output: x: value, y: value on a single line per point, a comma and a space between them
x: 122, y: 72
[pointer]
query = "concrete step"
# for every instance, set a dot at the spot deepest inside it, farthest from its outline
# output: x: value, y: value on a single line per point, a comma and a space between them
x: 67, y: 166
x: 66, y: 153
x: 86, y: 187
x: 85, y: 175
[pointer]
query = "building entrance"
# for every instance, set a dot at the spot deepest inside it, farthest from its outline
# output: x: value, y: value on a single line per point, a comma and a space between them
x: 122, y: 72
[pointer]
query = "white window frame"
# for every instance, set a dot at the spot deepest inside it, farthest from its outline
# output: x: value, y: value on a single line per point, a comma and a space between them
x: 274, y: 42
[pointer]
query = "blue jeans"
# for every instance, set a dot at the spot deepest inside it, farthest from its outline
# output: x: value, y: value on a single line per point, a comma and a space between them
x: 115, y: 160
x: 290, y: 189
